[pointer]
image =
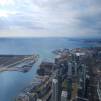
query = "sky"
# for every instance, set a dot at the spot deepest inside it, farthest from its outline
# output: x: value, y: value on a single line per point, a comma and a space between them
x: 50, y: 18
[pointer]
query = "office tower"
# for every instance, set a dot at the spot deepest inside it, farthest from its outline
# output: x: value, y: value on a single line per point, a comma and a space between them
x: 64, y: 96
x: 81, y: 83
x: 73, y: 57
x: 82, y: 77
x: 69, y: 81
x: 56, y: 60
x: 75, y: 66
x: 66, y: 64
x: 59, y: 86
x: 55, y: 90
x: 62, y: 69
x: 77, y: 57
x: 57, y: 76
x: 70, y: 57
x: 85, y: 75
x: 69, y: 70
x: 69, y: 88
x: 86, y: 86
x: 32, y: 96
x: 54, y: 67
x: 84, y: 72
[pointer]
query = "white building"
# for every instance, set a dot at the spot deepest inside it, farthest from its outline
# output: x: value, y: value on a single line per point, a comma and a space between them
x: 64, y: 96
x: 55, y: 90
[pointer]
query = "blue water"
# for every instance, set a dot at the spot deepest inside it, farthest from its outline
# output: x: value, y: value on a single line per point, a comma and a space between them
x: 12, y: 82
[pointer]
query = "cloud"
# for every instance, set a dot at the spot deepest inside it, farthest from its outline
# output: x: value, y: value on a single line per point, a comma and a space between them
x: 20, y: 19
x: 6, y: 2
x: 89, y: 20
x: 52, y: 17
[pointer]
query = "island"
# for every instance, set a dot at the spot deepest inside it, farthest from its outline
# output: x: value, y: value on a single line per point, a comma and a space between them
x: 21, y: 63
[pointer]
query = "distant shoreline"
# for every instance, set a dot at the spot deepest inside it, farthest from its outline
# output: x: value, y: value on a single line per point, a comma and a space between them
x: 93, y: 41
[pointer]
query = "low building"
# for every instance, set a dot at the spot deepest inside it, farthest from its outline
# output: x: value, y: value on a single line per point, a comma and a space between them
x: 32, y: 96
x: 23, y: 97
x: 64, y: 96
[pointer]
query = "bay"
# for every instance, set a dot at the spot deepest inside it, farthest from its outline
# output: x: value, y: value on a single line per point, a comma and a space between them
x: 12, y: 82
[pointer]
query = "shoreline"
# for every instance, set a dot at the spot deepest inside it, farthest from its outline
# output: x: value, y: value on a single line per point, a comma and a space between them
x: 85, y: 42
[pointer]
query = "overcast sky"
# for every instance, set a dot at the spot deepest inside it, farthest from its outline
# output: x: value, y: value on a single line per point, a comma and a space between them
x: 50, y: 18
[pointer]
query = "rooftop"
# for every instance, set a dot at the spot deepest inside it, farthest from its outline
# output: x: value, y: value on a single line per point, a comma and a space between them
x: 55, y: 80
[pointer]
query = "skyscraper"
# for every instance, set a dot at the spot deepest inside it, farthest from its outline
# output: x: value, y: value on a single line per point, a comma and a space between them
x: 55, y: 90
x: 69, y: 81
x: 57, y: 76
x: 69, y: 88
x: 69, y: 70
x: 86, y: 86
x: 75, y: 69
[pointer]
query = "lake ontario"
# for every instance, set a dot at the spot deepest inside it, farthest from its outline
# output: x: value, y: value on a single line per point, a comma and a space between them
x: 12, y: 82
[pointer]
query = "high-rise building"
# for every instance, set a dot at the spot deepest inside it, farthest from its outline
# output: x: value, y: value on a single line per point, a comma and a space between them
x: 57, y: 76
x: 85, y: 77
x: 86, y: 86
x: 62, y: 69
x: 75, y: 66
x: 69, y: 70
x: 70, y: 57
x: 64, y: 96
x: 69, y: 88
x: 83, y: 84
x: 54, y: 67
x: 77, y: 57
x: 83, y: 72
x: 69, y: 81
x: 56, y: 60
x: 73, y: 57
x: 55, y: 90
x: 66, y: 64
x: 59, y: 86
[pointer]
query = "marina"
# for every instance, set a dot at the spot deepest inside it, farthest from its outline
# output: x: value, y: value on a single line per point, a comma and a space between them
x: 36, y: 80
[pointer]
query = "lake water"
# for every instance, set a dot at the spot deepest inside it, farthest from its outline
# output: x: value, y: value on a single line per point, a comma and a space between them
x: 12, y: 82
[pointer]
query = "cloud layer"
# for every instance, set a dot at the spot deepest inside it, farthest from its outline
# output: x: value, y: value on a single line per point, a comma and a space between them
x: 50, y: 18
